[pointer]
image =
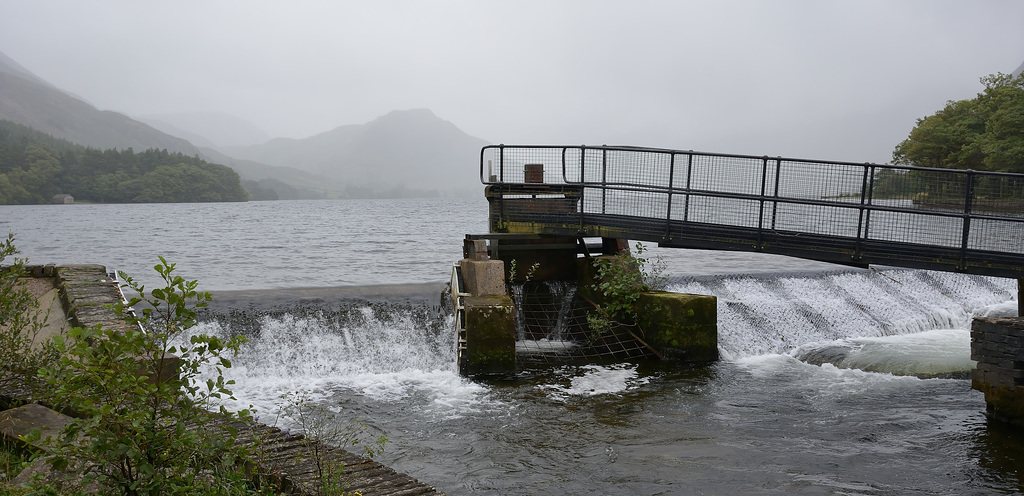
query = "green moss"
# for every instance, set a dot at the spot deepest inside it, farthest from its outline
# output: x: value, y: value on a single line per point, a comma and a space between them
x: 490, y: 336
x: 682, y: 326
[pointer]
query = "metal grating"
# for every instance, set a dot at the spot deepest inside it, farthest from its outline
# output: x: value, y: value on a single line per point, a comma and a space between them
x: 551, y: 324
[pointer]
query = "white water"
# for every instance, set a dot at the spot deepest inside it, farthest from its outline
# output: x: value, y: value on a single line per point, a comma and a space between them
x: 896, y: 322
x: 778, y: 314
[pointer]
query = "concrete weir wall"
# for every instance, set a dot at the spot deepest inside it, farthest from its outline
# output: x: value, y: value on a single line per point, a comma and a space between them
x: 997, y: 344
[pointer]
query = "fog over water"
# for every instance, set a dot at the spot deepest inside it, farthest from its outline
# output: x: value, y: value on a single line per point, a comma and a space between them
x: 832, y: 80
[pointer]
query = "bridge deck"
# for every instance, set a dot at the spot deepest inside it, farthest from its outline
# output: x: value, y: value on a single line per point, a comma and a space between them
x: 852, y: 214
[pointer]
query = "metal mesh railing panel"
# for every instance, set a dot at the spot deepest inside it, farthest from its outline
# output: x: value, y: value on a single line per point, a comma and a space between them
x: 814, y: 180
x: 996, y: 235
x: 716, y: 210
x: 508, y: 165
x: 725, y: 174
x: 816, y: 219
x: 914, y: 228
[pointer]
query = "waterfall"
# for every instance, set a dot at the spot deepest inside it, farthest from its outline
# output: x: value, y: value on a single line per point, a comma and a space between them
x: 844, y: 312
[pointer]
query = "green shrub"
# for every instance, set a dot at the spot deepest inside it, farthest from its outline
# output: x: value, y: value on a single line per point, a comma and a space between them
x: 20, y: 324
x: 142, y: 431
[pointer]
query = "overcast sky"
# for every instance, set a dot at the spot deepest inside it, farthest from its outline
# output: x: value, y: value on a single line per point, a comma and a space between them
x: 841, y: 80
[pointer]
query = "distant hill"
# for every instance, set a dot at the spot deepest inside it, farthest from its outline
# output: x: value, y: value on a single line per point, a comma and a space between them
x: 403, y: 153
x: 209, y: 129
x: 27, y: 100
x: 410, y: 153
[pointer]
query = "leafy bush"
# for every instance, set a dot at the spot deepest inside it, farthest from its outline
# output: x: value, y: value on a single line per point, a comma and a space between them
x: 620, y: 280
x: 143, y: 430
x: 22, y: 354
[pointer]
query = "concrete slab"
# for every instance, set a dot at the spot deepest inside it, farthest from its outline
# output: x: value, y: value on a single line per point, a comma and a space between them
x: 18, y: 423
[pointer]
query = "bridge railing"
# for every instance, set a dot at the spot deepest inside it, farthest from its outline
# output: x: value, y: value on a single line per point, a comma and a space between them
x: 662, y: 190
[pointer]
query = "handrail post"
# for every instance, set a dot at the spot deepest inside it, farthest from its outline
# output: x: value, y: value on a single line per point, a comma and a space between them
x: 869, y: 170
x: 501, y: 163
x: 689, y: 177
x: 668, y: 209
x: 583, y: 189
x: 604, y: 179
x: 760, y: 213
x: 775, y: 203
x: 968, y: 200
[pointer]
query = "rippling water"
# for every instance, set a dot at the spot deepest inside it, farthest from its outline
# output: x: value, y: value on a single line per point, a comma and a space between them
x: 765, y: 420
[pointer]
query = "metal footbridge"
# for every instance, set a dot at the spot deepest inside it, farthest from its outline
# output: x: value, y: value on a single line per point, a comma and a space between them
x: 855, y: 214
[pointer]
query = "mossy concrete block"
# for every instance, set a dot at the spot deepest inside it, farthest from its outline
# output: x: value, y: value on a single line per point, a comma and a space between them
x: 680, y: 326
x: 490, y: 336
x: 483, y: 277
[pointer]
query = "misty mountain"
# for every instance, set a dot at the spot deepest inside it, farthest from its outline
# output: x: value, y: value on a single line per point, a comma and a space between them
x: 208, y: 129
x: 28, y: 100
x: 403, y: 153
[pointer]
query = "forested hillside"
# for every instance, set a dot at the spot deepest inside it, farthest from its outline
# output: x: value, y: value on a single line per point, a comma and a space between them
x: 35, y: 166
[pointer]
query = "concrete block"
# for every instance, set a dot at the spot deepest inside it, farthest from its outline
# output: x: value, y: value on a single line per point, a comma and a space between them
x: 490, y: 336
x: 484, y: 277
x: 680, y: 326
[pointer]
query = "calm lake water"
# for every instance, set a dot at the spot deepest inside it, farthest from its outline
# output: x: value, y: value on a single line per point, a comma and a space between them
x: 763, y: 420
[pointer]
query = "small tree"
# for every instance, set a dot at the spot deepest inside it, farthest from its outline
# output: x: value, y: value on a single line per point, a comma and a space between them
x: 620, y: 280
x: 22, y: 354
x: 143, y: 431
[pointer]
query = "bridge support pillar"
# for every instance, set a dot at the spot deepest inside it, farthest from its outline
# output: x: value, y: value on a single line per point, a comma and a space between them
x: 997, y: 344
x: 1020, y: 297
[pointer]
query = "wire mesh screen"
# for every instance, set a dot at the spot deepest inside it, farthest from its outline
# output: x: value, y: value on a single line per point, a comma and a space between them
x: 552, y: 327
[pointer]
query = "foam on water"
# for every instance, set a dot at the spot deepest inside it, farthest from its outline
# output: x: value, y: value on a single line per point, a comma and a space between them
x: 593, y: 380
x: 391, y: 360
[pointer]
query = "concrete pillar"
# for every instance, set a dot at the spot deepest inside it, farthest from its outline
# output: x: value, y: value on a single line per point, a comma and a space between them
x: 483, y: 277
x: 490, y: 336
x: 997, y: 344
x: 680, y: 326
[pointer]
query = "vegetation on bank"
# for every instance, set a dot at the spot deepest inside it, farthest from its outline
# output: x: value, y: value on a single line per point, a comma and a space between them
x: 34, y: 167
x: 137, y: 429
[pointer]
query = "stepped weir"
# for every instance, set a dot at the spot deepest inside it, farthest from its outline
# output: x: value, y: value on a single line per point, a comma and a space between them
x: 545, y: 202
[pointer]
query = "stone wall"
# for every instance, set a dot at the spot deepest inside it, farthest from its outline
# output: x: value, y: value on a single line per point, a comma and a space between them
x: 996, y: 344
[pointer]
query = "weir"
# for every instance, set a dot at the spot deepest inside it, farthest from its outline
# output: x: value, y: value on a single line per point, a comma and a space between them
x: 546, y: 201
